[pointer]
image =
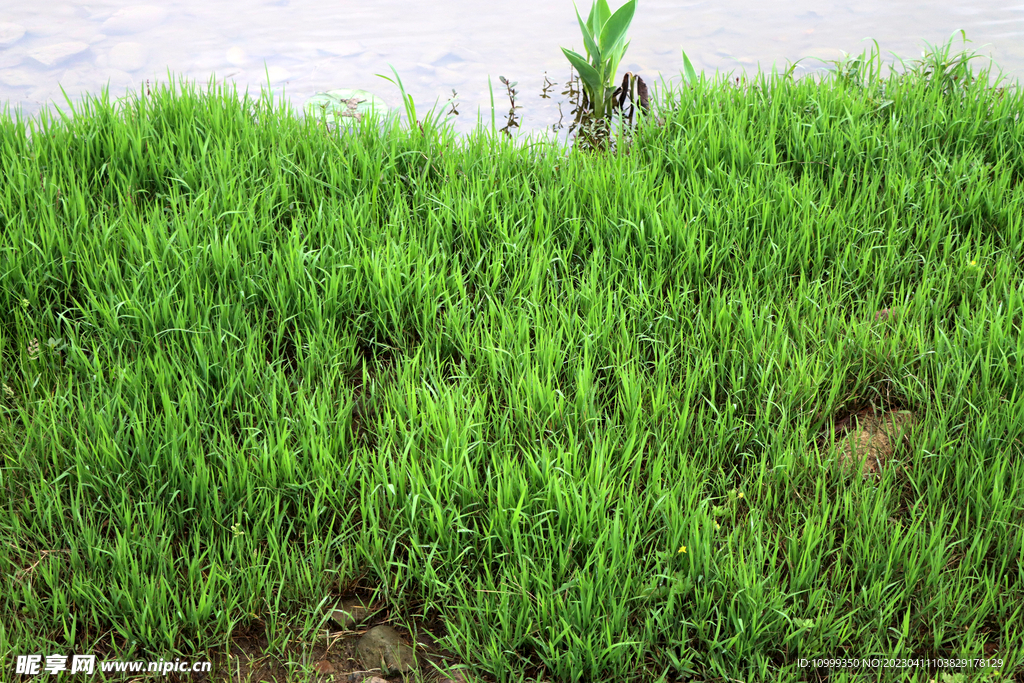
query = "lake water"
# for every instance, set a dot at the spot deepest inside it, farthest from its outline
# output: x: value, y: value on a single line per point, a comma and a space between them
x: 310, y: 46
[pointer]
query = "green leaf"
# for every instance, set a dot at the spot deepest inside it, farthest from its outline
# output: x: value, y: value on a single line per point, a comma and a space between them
x: 588, y: 41
x: 614, y: 62
x: 615, y: 29
x: 617, y: 50
x: 691, y: 75
x: 600, y: 17
x: 590, y: 76
x: 410, y: 106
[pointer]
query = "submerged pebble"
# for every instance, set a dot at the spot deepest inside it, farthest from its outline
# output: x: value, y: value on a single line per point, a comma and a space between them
x: 127, y: 56
x: 51, y: 55
x: 133, y: 19
x: 10, y: 33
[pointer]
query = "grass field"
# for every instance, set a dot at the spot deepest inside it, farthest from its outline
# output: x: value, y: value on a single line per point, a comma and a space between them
x: 581, y: 417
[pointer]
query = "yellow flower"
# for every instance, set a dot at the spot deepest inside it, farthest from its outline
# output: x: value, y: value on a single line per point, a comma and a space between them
x: 740, y: 494
x: 682, y: 548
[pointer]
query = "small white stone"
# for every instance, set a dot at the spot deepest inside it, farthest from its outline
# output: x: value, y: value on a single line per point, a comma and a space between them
x: 451, y: 55
x: 206, y: 61
x: 10, y: 33
x: 16, y: 78
x: 127, y: 56
x: 51, y: 55
x: 339, y: 48
x: 237, y: 56
x: 134, y: 18
x: 450, y: 78
x: 120, y: 82
x: 277, y: 74
x: 9, y: 58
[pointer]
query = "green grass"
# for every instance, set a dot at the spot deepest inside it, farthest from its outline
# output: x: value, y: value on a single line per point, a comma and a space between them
x: 248, y: 364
